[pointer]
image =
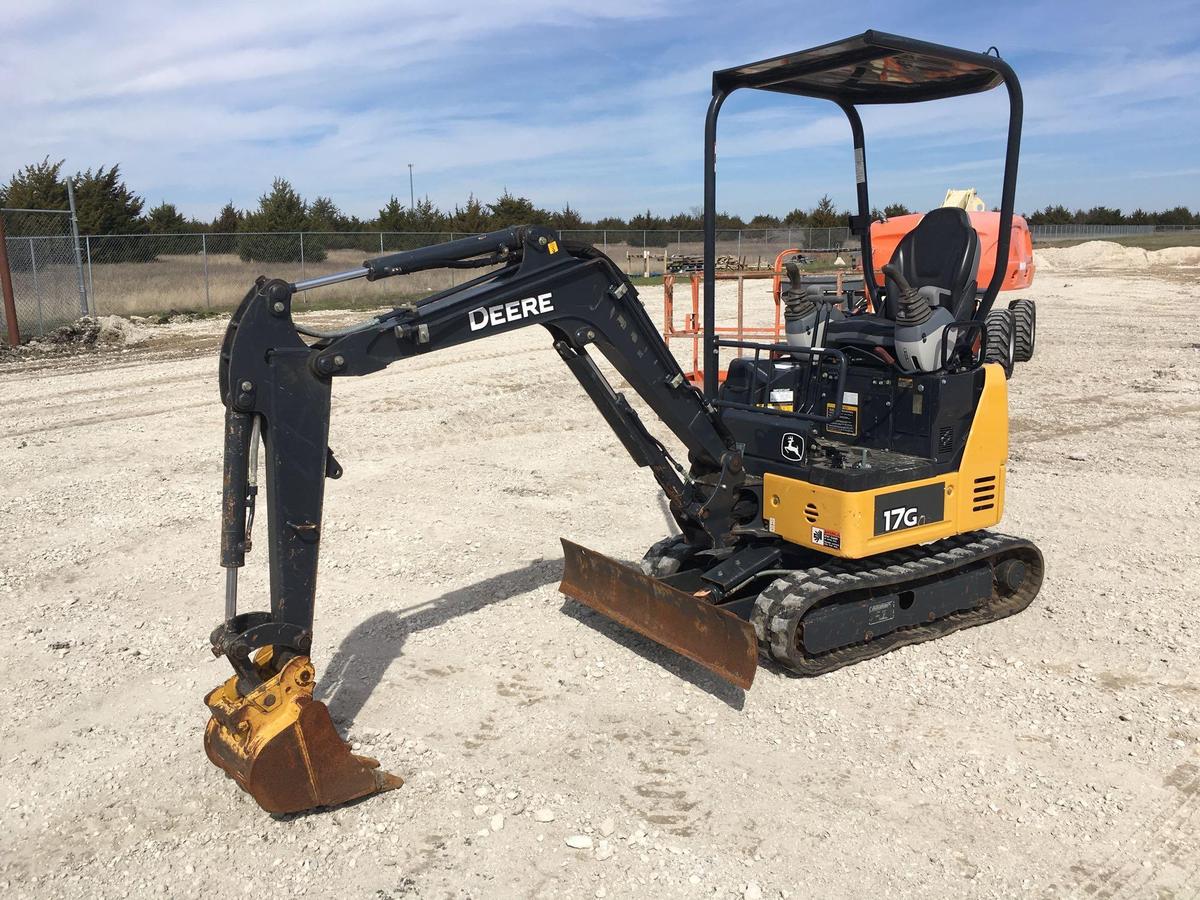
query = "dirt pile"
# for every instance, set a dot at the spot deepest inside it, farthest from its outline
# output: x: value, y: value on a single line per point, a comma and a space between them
x: 109, y: 332
x: 1092, y: 255
x: 1109, y: 255
x: 1176, y: 256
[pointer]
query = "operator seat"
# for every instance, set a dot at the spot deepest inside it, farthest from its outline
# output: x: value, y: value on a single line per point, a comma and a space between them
x: 940, y: 258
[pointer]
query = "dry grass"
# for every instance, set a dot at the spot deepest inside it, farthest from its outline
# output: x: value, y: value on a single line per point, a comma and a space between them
x: 179, y: 282
x: 1157, y: 241
x: 190, y: 283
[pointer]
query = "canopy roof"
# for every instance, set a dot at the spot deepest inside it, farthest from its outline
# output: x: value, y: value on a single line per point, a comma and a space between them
x: 872, y: 67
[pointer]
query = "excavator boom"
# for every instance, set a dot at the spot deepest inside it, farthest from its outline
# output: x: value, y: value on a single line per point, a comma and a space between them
x: 267, y: 731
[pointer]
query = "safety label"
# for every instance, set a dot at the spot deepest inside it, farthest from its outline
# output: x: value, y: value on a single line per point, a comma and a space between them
x: 847, y: 421
x: 823, y: 537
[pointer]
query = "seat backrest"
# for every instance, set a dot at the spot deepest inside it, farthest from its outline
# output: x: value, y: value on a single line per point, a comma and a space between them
x: 941, y: 255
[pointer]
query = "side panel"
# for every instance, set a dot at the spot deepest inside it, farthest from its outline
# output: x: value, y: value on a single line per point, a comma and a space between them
x: 983, y: 468
x: 863, y: 523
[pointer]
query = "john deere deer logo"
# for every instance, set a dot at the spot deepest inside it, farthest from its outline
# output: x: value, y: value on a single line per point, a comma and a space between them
x: 792, y: 447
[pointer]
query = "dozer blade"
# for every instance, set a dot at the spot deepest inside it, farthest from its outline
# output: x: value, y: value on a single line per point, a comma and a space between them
x: 687, y: 624
x: 280, y: 746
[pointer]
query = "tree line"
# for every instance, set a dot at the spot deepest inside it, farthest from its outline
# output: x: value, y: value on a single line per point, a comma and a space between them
x: 107, y: 206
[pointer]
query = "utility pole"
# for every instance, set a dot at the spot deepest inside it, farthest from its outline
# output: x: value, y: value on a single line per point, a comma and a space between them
x: 6, y: 288
x: 412, y: 197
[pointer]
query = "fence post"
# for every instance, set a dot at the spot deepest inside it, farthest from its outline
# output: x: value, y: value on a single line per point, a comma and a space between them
x: 381, y: 242
x: 302, y: 275
x: 87, y: 243
x: 37, y: 294
x: 739, y: 252
x: 6, y: 287
x: 83, y: 300
x: 606, y: 241
x: 204, y: 253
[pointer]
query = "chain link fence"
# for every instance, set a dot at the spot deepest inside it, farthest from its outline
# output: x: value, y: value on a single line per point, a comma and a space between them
x: 46, y: 269
x: 160, y: 273
x: 1091, y: 232
x: 142, y: 273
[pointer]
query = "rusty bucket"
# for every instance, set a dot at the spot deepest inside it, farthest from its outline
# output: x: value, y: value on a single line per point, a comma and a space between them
x: 280, y: 745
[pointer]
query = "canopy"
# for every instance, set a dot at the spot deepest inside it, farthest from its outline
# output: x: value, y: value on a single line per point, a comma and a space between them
x: 872, y: 67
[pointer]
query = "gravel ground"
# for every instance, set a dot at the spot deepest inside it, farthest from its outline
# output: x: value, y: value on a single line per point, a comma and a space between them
x: 548, y: 752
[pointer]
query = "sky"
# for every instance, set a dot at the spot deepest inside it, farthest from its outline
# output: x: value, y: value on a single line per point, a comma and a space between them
x: 597, y: 105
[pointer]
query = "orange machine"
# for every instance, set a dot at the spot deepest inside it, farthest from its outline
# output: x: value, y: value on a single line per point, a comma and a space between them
x: 886, y: 235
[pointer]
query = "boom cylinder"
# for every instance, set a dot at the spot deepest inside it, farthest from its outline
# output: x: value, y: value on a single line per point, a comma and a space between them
x: 438, y: 256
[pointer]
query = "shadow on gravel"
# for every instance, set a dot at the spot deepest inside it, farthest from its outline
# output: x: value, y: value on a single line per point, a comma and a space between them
x: 360, y: 662
x: 693, y: 673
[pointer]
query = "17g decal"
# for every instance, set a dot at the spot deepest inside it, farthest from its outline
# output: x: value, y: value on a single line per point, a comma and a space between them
x: 910, y: 508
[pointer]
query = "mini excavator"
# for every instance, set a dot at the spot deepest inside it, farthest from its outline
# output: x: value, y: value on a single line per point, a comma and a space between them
x: 839, y: 484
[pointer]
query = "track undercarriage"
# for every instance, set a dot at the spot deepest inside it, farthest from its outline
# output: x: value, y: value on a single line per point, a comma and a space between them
x: 827, y: 613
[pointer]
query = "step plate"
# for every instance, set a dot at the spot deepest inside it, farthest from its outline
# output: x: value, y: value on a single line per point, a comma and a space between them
x: 689, y: 625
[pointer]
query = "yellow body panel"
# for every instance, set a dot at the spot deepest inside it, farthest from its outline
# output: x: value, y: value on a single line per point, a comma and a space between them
x: 843, y: 523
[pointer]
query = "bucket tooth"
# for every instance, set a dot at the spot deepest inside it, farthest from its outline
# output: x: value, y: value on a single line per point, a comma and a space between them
x: 281, y: 747
x: 706, y: 634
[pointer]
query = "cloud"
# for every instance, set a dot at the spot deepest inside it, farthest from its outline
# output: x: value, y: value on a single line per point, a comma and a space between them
x: 598, y: 105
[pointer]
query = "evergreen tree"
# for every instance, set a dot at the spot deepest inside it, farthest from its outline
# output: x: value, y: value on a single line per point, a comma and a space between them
x: 272, y: 228
x: 228, y: 220
x: 895, y: 209
x: 1052, y: 215
x: 326, y: 223
x: 1180, y: 215
x: 106, y: 205
x: 825, y: 214
x: 393, y: 217
x: 646, y: 221
x: 426, y: 217
x: 509, y: 210
x: 687, y: 221
x: 568, y: 219
x: 37, y: 186
x: 166, y: 219
x: 473, y: 218
x: 323, y: 215
x: 1103, y: 215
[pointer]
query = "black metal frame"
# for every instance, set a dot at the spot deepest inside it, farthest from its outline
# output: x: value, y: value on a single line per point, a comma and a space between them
x: 270, y: 377
x: 799, y: 74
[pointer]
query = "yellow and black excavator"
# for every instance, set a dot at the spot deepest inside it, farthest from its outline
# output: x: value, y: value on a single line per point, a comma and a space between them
x: 837, y: 487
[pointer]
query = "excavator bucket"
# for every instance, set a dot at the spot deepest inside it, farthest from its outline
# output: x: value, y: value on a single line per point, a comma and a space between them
x: 280, y: 746
x: 686, y: 623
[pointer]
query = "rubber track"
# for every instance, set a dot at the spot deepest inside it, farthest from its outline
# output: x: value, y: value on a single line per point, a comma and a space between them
x: 780, y: 609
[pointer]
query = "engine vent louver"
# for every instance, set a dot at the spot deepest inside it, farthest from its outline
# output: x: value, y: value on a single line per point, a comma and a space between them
x: 810, y: 513
x: 983, y: 495
x: 945, y: 440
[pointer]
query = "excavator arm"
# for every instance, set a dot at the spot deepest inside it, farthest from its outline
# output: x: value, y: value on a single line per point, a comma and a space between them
x: 267, y: 732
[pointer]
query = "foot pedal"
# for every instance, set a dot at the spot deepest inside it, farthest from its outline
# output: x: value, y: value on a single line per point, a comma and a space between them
x: 689, y: 625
